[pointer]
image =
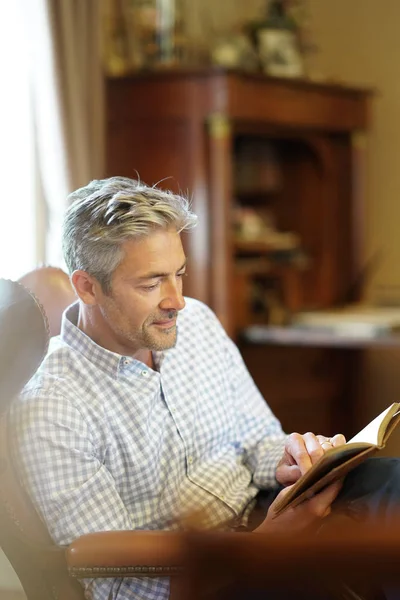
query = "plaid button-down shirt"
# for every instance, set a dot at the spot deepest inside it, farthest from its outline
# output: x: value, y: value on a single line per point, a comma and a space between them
x: 106, y: 443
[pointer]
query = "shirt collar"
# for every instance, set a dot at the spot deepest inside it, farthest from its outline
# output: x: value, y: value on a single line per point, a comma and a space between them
x: 109, y: 362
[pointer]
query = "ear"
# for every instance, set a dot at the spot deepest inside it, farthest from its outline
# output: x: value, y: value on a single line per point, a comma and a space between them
x: 86, y: 287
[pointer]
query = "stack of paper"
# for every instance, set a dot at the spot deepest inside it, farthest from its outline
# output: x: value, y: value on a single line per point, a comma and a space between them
x: 355, y: 320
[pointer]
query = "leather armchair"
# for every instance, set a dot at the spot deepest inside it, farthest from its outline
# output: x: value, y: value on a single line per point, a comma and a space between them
x: 41, y: 566
x: 53, y: 289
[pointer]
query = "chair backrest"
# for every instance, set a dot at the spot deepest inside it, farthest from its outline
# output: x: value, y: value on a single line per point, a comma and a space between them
x: 52, y: 287
x: 38, y: 562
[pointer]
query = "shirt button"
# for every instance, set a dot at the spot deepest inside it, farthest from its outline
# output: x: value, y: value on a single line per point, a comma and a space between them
x: 190, y: 460
x: 126, y: 362
x: 145, y: 373
x: 222, y: 497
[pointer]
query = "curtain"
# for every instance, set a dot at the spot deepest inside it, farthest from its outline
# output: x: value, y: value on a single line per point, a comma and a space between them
x: 17, y: 168
x: 64, y: 39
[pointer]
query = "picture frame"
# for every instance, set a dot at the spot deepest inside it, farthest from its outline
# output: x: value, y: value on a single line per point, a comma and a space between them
x: 279, y: 53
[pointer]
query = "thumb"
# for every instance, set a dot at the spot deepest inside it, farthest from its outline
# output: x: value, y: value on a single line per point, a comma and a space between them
x: 321, y: 502
x: 288, y: 474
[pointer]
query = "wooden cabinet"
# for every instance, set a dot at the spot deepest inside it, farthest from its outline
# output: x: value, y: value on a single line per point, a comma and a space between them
x: 285, y: 154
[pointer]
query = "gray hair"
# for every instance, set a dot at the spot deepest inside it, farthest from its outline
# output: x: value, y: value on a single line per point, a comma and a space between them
x: 108, y: 212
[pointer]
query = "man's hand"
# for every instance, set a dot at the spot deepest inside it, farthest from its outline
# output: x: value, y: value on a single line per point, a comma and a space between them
x: 301, y: 452
x: 307, y: 514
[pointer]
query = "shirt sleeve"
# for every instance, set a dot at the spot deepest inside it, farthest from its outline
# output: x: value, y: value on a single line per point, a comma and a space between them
x: 260, y: 431
x: 63, y: 470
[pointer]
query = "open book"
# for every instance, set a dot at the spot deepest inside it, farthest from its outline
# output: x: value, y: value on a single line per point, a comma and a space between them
x: 337, y: 462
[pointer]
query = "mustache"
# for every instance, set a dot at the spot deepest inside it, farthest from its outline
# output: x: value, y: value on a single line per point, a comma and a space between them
x: 166, y: 316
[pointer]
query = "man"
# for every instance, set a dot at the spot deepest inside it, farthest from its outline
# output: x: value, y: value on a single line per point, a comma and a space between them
x: 143, y: 411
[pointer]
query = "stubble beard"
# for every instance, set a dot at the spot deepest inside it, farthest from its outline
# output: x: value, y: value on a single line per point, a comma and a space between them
x: 163, y: 340
x: 159, y: 339
x: 149, y: 336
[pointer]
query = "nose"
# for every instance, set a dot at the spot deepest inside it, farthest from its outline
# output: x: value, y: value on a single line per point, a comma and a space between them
x: 173, y: 297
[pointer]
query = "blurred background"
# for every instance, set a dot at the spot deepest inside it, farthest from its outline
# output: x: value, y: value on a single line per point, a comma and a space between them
x: 280, y: 120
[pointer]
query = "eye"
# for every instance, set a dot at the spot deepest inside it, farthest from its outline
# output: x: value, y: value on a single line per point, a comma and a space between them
x: 149, y: 288
x: 182, y: 274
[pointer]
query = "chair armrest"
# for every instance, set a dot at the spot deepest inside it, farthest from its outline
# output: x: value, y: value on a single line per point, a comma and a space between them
x: 126, y: 554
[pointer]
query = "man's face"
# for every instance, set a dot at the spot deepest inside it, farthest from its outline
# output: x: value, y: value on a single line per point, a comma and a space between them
x: 141, y: 310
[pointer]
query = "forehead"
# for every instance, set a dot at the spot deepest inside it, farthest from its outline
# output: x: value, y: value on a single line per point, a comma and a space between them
x: 160, y: 251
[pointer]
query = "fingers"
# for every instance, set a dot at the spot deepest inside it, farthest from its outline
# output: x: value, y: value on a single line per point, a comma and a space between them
x: 306, y: 449
x: 338, y: 440
x: 325, y: 442
x: 301, y: 452
x: 331, y: 442
x: 306, y: 514
x: 296, y: 448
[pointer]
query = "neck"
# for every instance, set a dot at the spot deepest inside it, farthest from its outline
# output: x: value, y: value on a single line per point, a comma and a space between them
x: 87, y: 323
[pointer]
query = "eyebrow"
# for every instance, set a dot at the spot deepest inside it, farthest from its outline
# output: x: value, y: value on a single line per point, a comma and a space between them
x: 155, y: 275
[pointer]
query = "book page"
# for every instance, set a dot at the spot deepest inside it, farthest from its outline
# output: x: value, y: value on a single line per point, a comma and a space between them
x: 370, y: 433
